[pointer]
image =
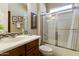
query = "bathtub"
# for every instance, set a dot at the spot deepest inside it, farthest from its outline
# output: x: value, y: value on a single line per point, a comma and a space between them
x: 58, y: 51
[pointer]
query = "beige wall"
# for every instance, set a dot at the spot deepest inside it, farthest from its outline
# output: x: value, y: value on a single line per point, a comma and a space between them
x: 41, y: 10
x: 17, y: 9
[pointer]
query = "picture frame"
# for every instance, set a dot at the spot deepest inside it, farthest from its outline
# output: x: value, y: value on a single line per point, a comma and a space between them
x: 20, y: 18
x: 14, y: 18
x: 33, y: 21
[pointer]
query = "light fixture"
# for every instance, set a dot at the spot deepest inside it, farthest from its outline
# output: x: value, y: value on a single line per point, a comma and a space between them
x: 61, y: 8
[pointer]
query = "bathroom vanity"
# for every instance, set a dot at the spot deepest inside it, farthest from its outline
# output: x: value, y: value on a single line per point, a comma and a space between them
x: 26, y: 47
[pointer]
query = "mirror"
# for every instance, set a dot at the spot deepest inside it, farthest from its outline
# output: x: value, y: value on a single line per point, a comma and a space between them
x: 33, y: 21
x: 8, y: 24
x: 17, y: 17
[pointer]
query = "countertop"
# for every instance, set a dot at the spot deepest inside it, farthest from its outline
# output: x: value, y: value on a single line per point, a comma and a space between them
x: 4, y: 47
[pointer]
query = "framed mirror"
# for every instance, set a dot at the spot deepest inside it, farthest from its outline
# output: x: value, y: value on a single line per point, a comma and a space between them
x: 33, y: 21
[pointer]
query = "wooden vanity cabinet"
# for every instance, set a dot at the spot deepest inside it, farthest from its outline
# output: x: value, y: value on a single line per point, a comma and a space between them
x: 29, y: 49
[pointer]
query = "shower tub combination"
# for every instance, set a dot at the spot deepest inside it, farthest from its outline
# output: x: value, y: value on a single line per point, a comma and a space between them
x: 61, y: 33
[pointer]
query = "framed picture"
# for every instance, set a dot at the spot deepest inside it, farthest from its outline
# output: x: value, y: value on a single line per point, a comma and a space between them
x: 14, y: 18
x: 20, y: 18
x: 33, y: 21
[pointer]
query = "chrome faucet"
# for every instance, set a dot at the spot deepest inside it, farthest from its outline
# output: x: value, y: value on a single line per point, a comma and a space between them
x: 12, y: 35
x: 1, y: 37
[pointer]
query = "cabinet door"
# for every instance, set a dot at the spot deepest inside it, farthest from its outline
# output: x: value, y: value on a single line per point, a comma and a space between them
x: 33, y: 52
x: 32, y: 44
x: 22, y: 50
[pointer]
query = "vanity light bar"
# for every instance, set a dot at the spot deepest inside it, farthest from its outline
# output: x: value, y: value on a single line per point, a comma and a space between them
x: 61, y: 8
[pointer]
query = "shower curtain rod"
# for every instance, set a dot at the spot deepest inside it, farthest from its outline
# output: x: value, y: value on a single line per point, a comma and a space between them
x: 67, y: 10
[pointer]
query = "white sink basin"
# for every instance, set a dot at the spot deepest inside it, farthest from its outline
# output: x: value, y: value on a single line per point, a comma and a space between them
x: 16, y: 39
x: 9, y: 40
x: 23, y: 36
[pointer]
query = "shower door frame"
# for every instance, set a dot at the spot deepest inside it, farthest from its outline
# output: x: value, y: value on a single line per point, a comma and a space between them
x: 56, y: 44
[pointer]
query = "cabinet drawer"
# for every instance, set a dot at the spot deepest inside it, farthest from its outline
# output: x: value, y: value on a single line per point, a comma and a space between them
x: 32, y: 44
x: 33, y: 52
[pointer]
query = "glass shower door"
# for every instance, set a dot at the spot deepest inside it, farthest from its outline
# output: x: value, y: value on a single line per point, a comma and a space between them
x: 49, y: 30
x: 57, y: 29
x: 63, y: 31
x: 64, y: 21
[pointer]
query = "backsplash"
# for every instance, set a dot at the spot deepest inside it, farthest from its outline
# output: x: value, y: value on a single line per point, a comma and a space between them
x: 9, y: 34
